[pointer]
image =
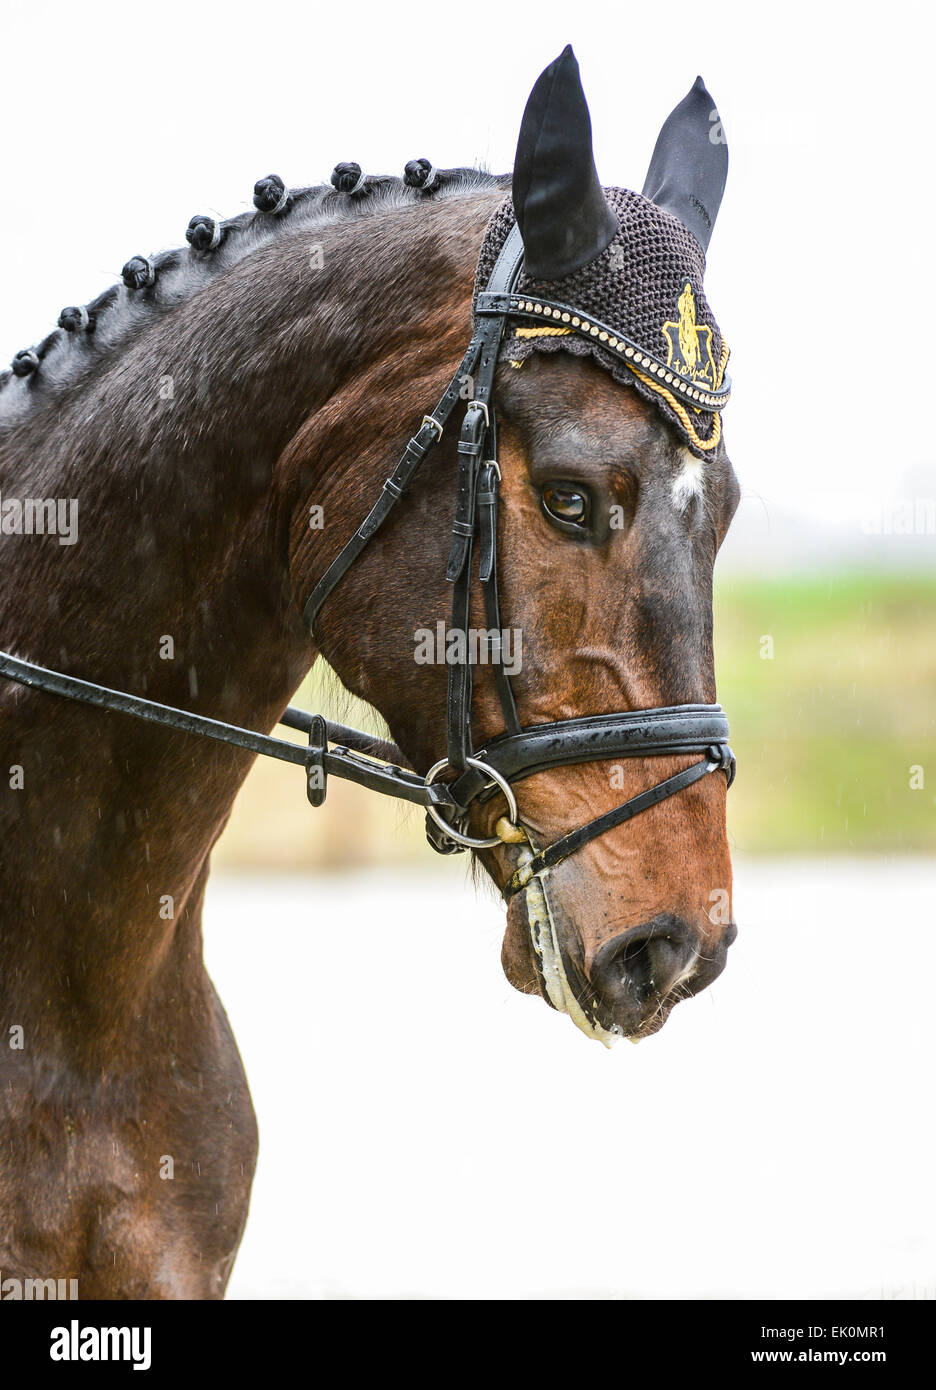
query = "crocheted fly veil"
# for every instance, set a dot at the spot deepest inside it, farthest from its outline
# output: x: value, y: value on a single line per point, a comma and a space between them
x: 611, y: 274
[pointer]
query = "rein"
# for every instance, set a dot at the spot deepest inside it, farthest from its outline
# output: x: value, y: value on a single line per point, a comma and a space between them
x: 515, y: 754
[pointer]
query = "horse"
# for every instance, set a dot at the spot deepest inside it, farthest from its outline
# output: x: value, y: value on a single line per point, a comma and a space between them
x: 181, y: 461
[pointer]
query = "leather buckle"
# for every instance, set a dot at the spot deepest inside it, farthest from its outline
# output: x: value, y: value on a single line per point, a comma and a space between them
x: 316, y: 776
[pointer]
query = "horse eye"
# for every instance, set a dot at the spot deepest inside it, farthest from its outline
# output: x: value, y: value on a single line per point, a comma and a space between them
x: 565, y: 504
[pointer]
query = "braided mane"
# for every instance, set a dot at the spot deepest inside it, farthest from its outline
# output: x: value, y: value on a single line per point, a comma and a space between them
x: 88, y: 335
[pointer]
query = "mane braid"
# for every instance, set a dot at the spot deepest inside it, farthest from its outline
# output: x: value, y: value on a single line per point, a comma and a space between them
x: 69, y: 354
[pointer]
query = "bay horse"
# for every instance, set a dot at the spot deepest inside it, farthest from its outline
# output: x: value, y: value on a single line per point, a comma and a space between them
x: 161, y: 456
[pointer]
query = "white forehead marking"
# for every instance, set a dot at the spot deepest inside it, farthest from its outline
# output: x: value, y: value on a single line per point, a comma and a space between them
x: 689, y: 481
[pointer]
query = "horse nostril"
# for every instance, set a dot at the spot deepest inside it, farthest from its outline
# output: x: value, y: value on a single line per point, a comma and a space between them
x: 648, y: 964
x: 643, y: 964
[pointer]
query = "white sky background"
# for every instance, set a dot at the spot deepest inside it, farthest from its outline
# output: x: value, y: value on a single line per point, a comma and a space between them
x: 120, y: 123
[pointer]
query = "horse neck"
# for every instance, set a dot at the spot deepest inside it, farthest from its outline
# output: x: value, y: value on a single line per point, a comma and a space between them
x: 184, y: 522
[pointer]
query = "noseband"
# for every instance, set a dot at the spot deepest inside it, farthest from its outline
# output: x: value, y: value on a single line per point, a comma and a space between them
x: 518, y: 752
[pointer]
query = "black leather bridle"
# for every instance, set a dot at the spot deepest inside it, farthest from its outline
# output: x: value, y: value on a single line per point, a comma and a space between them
x: 513, y: 755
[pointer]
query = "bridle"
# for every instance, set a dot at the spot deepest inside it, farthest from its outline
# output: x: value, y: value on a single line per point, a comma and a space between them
x: 511, y: 756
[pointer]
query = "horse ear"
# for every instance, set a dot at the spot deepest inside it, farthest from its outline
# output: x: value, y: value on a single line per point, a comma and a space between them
x: 690, y: 164
x: 561, y: 210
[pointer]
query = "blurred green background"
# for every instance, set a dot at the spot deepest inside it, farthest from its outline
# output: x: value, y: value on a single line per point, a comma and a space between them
x: 827, y: 730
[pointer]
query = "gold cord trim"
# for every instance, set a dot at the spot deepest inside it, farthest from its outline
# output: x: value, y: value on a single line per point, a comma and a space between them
x: 682, y: 413
x: 544, y: 332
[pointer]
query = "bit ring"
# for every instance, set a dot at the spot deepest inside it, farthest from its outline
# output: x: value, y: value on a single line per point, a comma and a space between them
x: 495, y: 780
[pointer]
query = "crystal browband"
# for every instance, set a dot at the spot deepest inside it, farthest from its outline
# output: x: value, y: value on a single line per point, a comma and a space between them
x: 589, y: 327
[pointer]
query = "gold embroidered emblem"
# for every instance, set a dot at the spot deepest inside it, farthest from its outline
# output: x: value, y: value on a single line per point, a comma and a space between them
x: 689, y: 344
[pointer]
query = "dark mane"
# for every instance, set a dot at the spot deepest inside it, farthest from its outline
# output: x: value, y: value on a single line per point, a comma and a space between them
x: 113, y: 320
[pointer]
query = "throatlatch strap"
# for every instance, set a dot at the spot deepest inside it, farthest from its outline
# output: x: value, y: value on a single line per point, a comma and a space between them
x: 503, y: 276
x: 416, y: 450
